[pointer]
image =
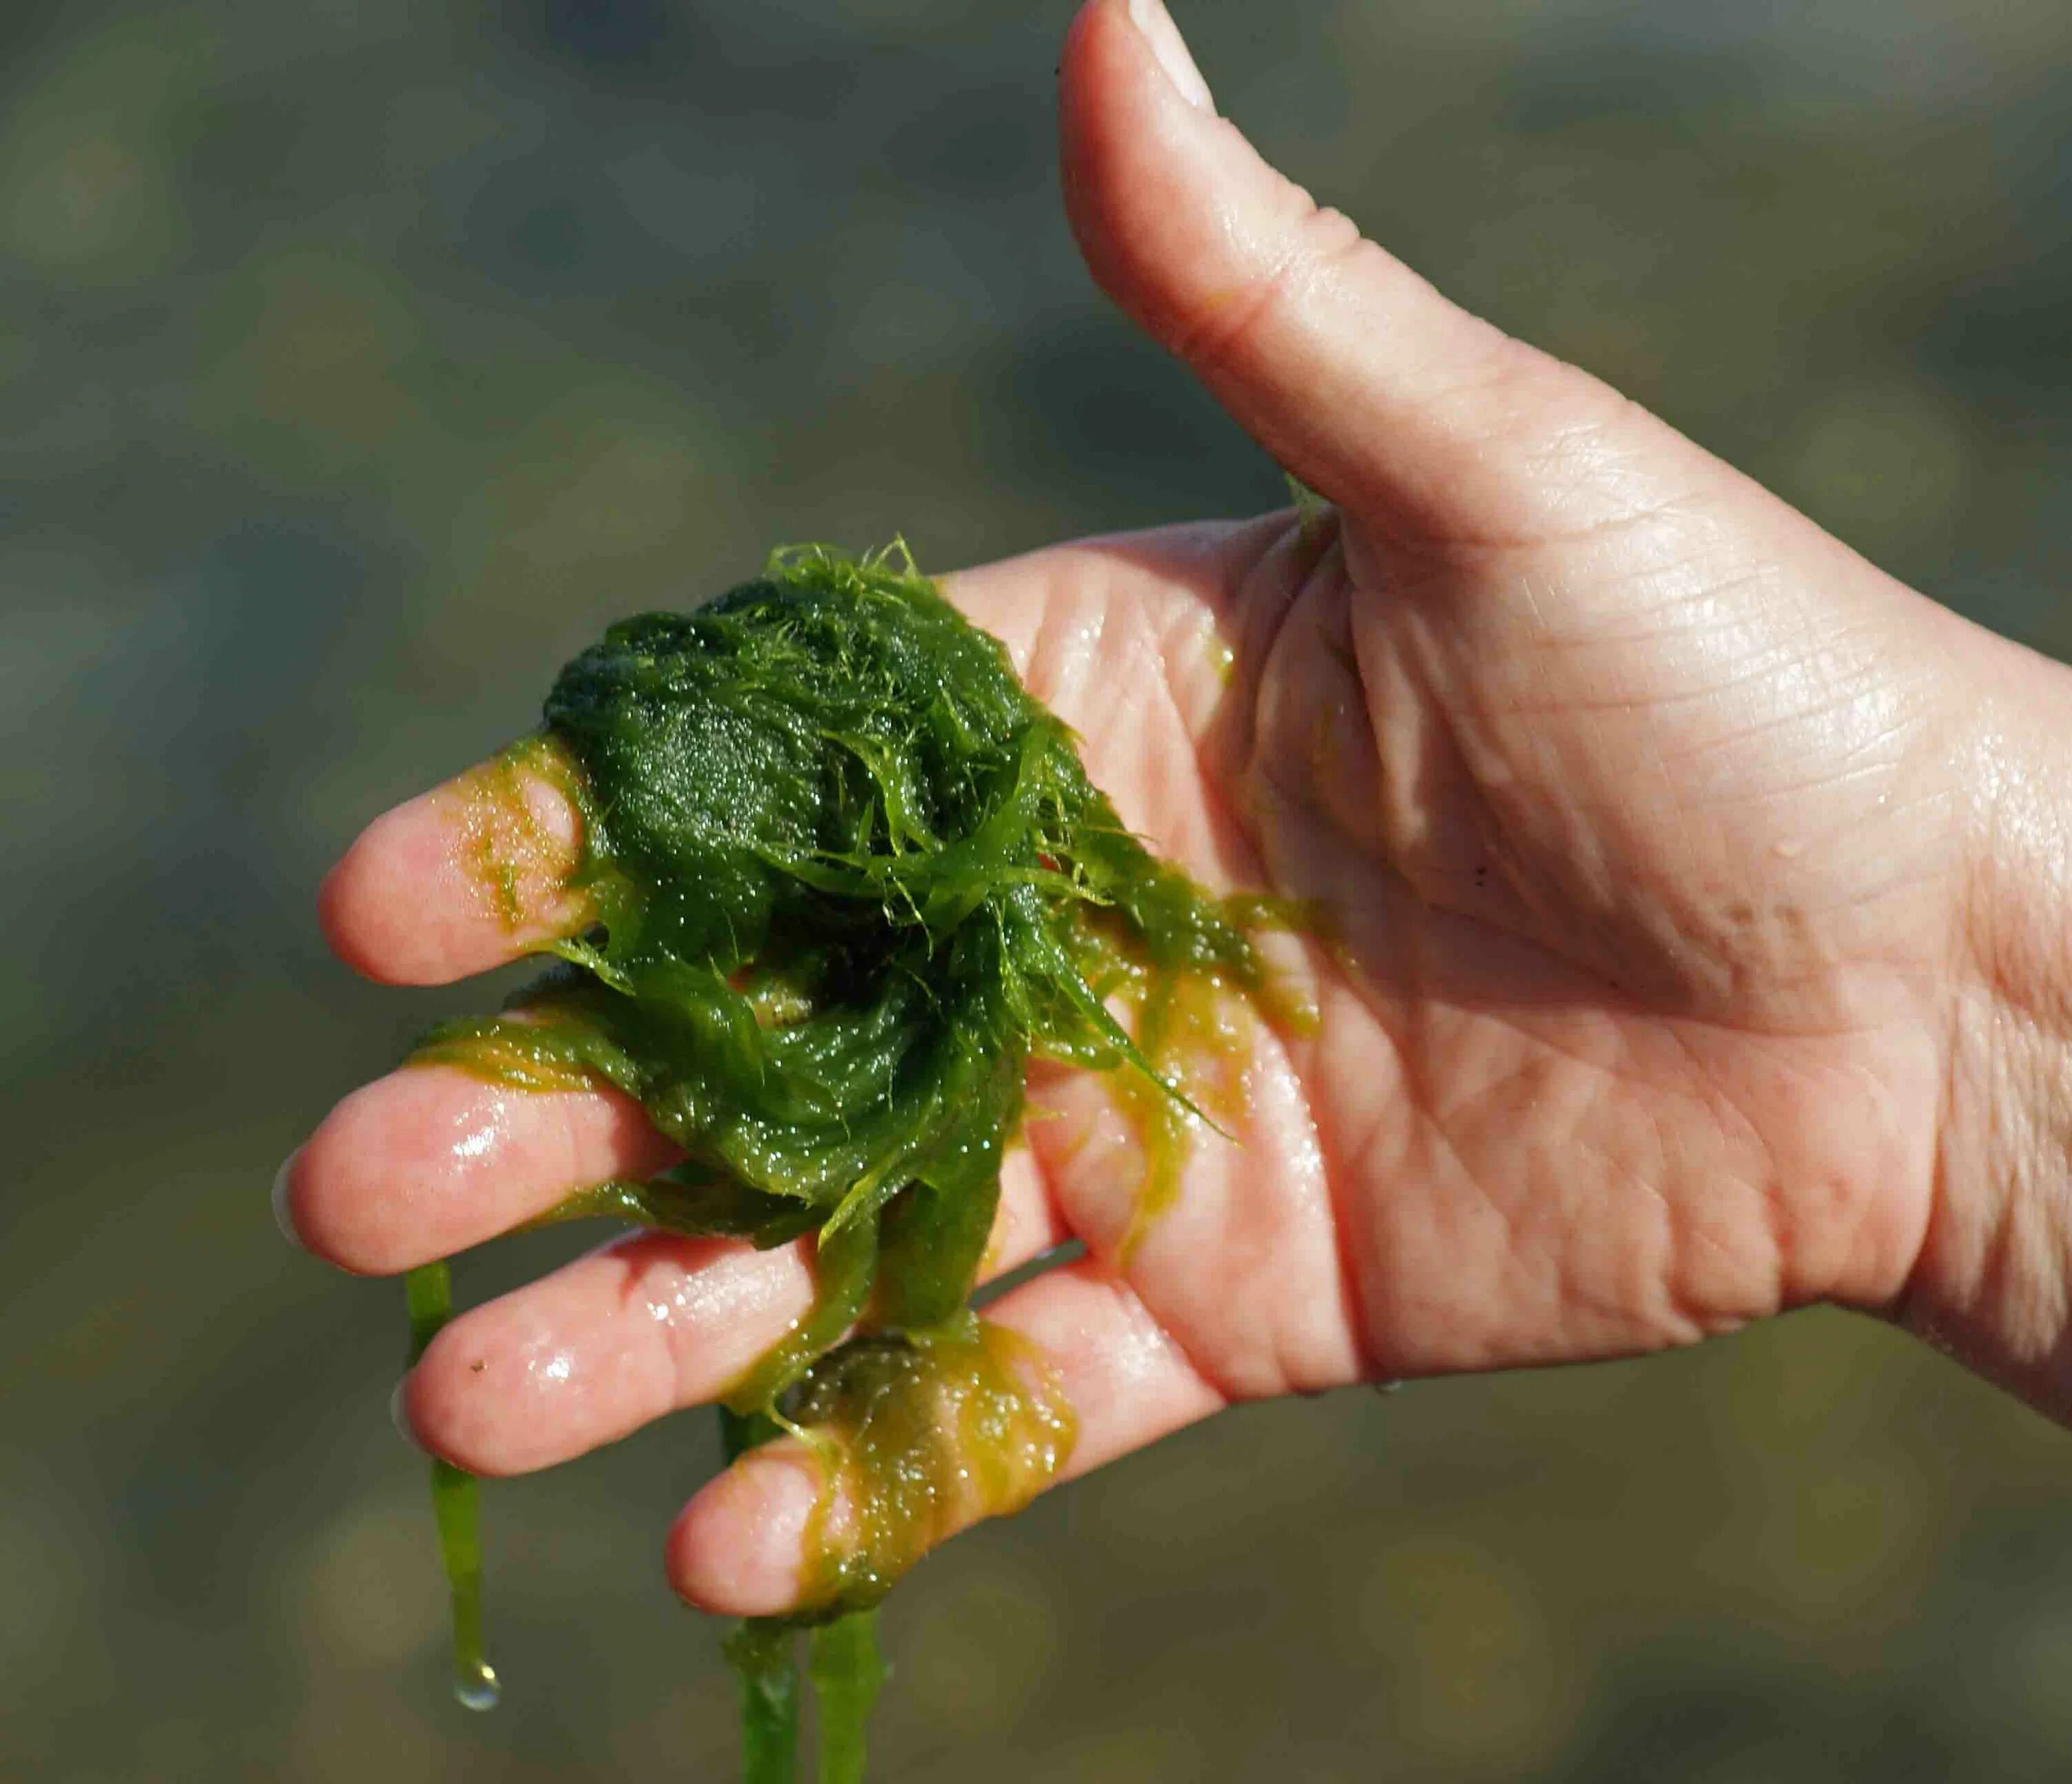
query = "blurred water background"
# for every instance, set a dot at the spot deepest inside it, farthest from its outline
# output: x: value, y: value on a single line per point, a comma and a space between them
x: 359, y: 358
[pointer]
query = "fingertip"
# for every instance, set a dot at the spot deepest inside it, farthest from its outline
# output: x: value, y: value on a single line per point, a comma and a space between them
x: 308, y: 1207
x: 453, y: 1407
x: 369, y: 916
x: 738, y: 1548
x: 458, y: 880
x: 339, y: 895
x: 403, y: 1170
x: 324, y: 1197
x: 1088, y: 21
x: 1101, y: 82
x: 428, y: 1417
x: 431, y: 1159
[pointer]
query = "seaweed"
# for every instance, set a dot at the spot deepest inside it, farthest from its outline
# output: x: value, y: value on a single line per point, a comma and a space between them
x: 848, y: 877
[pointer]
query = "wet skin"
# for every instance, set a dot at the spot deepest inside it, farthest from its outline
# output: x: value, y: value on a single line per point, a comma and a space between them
x: 846, y: 881
x: 1690, y: 895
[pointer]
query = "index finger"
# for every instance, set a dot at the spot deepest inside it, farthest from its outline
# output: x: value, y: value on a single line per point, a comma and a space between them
x: 478, y: 872
x: 468, y: 877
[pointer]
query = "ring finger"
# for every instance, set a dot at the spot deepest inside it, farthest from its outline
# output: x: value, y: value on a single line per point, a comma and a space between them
x: 647, y: 1325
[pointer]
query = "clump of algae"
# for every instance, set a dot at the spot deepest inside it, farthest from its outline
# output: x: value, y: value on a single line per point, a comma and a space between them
x: 848, y: 878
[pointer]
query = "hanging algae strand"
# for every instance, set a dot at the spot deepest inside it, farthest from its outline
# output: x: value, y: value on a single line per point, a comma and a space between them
x: 847, y: 1677
x: 428, y: 1292
x: 846, y: 878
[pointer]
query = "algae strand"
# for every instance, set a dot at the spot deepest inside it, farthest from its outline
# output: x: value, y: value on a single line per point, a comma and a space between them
x: 428, y: 1295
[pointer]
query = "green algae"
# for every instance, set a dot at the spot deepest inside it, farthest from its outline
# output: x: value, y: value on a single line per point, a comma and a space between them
x: 844, y: 879
x: 917, y: 1434
x: 761, y: 1654
x: 847, y: 1675
x: 428, y: 1296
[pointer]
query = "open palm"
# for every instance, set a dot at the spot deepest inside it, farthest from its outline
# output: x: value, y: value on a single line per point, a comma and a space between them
x: 1631, y: 808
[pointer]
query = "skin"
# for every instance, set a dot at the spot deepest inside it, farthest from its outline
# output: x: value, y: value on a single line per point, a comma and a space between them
x: 1690, y: 901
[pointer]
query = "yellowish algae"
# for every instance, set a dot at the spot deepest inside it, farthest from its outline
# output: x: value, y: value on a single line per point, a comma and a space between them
x: 916, y: 1437
x: 508, y: 853
x: 1201, y: 1031
x: 503, y: 1056
x: 1199, y: 1034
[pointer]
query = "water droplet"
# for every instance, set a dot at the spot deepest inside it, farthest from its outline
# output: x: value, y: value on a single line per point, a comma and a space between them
x: 477, y: 1689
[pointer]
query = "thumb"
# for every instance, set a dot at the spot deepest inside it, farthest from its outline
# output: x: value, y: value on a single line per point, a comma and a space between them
x: 1344, y: 365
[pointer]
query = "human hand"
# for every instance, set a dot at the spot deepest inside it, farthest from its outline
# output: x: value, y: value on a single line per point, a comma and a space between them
x: 1688, y: 907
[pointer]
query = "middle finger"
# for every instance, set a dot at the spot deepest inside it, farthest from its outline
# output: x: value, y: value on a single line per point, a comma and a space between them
x: 431, y: 1159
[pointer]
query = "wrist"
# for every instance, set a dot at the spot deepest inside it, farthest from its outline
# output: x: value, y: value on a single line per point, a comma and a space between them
x: 1993, y: 1280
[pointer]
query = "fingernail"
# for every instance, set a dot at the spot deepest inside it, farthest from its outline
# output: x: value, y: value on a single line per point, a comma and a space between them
x: 282, y: 1217
x: 1170, y: 47
x: 400, y: 1419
